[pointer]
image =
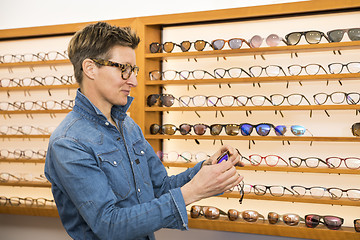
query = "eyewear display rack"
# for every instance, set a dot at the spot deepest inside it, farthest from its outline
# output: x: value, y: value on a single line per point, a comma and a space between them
x: 150, y: 30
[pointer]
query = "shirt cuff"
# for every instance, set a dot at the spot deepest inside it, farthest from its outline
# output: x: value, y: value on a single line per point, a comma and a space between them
x: 195, y: 169
x: 181, y: 213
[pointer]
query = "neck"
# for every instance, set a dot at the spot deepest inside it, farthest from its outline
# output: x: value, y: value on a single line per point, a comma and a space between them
x: 103, y: 106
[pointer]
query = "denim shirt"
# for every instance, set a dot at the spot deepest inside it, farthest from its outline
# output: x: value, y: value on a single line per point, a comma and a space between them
x: 109, y: 183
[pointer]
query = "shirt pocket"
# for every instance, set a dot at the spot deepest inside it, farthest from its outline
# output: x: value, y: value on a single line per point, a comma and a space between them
x: 111, y: 163
x: 139, y: 148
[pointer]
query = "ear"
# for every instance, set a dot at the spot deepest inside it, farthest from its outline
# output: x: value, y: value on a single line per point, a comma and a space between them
x: 89, y: 68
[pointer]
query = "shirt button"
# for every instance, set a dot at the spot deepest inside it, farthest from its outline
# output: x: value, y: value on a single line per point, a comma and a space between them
x: 142, y: 152
x: 138, y: 189
x: 107, y: 123
x: 115, y: 162
x: 184, y: 225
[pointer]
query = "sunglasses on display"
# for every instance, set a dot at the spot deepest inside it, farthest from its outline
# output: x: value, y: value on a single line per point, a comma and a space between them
x: 126, y: 69
x: 206, y: 211
x: 290, y: 219
x: 338, y: 34
x: 355, y: 129
x: 337, y: 98
x: 247, y: 215
x: 234, y: 43
x: 166, y: 100
x: 272, y: 40
x: 351, y: 67
x: 185, y: 46
x: 173, y: 156
x: 331, y: 222
x: 357, y: 225
x: 28, y: 201
x: 312, y: 37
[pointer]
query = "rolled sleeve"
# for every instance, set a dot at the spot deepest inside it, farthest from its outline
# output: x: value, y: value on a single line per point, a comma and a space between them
x: 180, y: 213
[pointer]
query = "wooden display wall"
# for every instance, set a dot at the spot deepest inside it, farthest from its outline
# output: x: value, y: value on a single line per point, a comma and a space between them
x: 332, y: 135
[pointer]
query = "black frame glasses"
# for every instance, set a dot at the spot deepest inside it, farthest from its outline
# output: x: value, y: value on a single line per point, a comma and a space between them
x: 270, y: 70
x: 126, y: 69
x: 293, y: 99
x: 331, y: 222
x: 166, y: 100
x: 351, y: 67
x: 310, y: 162
x: 234, y: 72
x: 311, y: 37
x: 337, y: 35
x: 310, y: 69
x: 351, y: 98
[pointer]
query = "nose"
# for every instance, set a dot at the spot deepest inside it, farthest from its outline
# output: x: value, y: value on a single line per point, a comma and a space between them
x: 132, y: 80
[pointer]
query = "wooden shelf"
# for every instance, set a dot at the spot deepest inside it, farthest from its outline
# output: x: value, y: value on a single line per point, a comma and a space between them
x: 24, y: 136
x: 280, y: 229
x: 321, y: 47
x: 21, y: 160
x: 26, y: 184
x: 255, y: 108
x: 257, y: 138
x: 276, y: 169
x: 289, y: 198
x: 31, y: 211
x: 41, y: 87
x: 35, y: 63
x: 36, y: 111
x: 301, y: 78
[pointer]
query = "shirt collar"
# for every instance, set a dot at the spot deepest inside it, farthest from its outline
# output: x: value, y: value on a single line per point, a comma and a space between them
x: 117, y: 111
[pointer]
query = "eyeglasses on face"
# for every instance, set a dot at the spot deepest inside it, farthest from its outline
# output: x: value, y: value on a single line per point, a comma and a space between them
x: 173, y: 156
x: 166, y: 100
x: 270, y: 71
x: 310, y: 69
x: 312, y: 37
x: 337, y: 98
x: 247, y: 215
x: 206, y: 211
x: 350, y: 162
x: 22, y: 154
x: 290, y: 219
x: 294, y: 99
x: 126, y: 69
x: 310, y: 162
x: 270, y: 160
x: 272, y: 40
x: 234, y: 43
x: 351, y: 194
x: 331, y: 222
x: 338, y: 34
x: 351, y: 67
x: 234, y: 72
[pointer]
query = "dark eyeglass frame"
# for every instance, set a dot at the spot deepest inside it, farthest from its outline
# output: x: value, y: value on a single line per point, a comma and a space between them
x: 346, y: 65
x: 218, y: 75
x: 266, y: 71
x: 346, y: 97
x: 124, y: 68
x: 343, y: 31
x: 335, y: 196
x: 295, y: 189
x: 306, y: 69
x: 355, y: 129
x: 357, y: 225
x: 261, y: 190
x: 287, y: 99
x: 315, y: 224
x: 306, y: 37
x: 292, y: 162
